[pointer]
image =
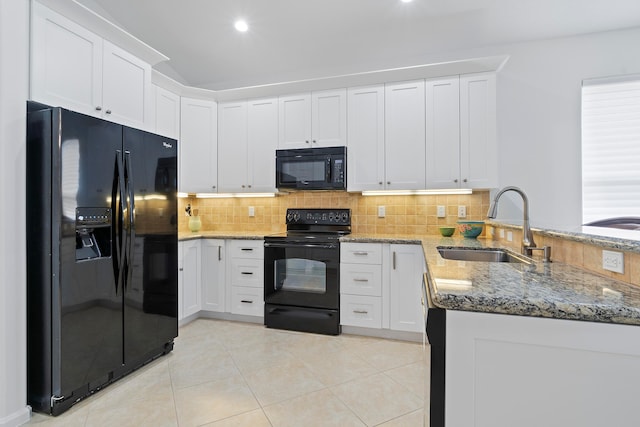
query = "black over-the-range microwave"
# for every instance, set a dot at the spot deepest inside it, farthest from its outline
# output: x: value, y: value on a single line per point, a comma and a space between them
x: 312, y: 169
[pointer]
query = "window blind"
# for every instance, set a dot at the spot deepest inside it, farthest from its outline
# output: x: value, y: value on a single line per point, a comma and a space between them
x: 610, y: 148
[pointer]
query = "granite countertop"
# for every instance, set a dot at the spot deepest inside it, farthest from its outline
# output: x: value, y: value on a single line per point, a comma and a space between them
x: 554, y: 290
x: 239, y: 235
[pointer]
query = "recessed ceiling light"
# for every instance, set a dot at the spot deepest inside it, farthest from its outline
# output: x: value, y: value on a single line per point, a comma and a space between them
x: 241, y: 25
x: 407, y: 1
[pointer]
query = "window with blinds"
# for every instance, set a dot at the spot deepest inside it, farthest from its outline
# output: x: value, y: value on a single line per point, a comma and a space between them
x: 610, y: 148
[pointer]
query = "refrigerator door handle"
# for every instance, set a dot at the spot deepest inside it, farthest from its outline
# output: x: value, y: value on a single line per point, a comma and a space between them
x: 131, y: 214
x: 118, y: 192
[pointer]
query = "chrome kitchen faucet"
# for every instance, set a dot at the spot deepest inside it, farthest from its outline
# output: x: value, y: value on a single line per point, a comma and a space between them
x: 528, y: 244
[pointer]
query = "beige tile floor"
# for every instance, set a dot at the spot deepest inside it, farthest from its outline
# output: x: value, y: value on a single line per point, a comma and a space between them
x: 237, y: 374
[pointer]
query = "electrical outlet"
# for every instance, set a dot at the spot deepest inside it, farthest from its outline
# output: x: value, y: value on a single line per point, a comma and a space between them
x: 502, y: 233
x: 442, y: 212
x: 252, y: 211
x: 462, y: 211
x: 613, y: 261
x: 382, y: 211
x: 509, y: 236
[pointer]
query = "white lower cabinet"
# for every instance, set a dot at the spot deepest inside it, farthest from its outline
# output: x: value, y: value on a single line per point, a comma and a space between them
x: 247, y: 301
x: 220, y: 276
x: 361, y: 310
x: 405, y: 293
x: 245, y: 277
x: 380, y: 286
x: 191, y: 293
x: 213, y: 275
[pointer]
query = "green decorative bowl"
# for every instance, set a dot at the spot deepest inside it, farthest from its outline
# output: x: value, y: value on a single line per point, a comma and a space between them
x: 470, y: 229
x: 447, y: 231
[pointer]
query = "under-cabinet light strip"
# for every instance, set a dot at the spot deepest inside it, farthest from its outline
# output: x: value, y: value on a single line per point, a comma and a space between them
x: 418, y: 192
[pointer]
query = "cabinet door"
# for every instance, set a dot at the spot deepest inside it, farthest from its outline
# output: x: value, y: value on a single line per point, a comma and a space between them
x: 365, y: 131
x: 405, y: 279
x: 262, y: 142
x: 167, y: 113
x: 443, y: 133
x: 405, y: 136
x: 126, y: 88
x: 294, y: 121
x: 329, y: 118
x: 198, y: 146
x: 213, y: 275
x: 478, y: 144
x: 232, y: 147
x: 66, y: 63
x: 191, y: 275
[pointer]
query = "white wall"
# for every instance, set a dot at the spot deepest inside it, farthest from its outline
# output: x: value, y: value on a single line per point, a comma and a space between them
x: 14, y: 72
x: 539, y: 119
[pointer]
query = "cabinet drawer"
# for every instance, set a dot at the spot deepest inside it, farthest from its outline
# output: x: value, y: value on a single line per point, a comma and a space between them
x: 247, y: 301
x: 247, y: 272
x: 361, y: 253
x: 361, y: 279
x: 246, y: 249
x: 358, y: 310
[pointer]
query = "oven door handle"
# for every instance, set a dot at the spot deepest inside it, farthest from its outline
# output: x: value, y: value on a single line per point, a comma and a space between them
x: 303, y: 245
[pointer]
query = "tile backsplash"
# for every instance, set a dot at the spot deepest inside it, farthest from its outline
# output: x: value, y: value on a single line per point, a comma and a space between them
x: 405, y: 215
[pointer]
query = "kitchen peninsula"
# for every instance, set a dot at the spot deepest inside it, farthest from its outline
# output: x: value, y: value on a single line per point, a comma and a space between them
x: 529, y: 344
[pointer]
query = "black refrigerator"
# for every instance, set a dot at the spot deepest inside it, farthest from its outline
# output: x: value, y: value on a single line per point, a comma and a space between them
x: 102, y: 253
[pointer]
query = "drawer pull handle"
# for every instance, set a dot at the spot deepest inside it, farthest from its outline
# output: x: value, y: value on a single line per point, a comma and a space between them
x: 360, y: 280
x: 247, y: 301
x: 361, y: 253
x: 246, y: 272
x: 360, y: 311
x: 246, y: 249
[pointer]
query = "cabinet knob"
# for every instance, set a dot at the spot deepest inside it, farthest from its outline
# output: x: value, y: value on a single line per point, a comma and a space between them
x: 98, y: 108
x: 388, y: 182
x: 314, y: 141
x: 249, y: 186
x: 213, y: 186
x: 380, y: 183
x: 108, y: 111
x: 307, y: 142
x: 455, y: 180
x: 242, y: 185
x: 464, y: 180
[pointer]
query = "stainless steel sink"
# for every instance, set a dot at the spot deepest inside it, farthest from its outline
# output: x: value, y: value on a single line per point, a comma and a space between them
x: 482, y: 254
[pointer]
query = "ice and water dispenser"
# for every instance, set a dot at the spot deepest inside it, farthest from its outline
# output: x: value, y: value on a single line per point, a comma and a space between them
x: 93, y: 233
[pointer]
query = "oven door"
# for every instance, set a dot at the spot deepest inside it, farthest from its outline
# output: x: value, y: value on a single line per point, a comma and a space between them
x: 302, y: 274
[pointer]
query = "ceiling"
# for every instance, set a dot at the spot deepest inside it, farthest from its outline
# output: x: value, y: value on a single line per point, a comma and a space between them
x: 291, y: 40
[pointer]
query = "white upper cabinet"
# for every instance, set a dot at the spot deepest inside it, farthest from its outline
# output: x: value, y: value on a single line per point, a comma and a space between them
x: 167, y: 113
x: 262, y: 141
x: 311, y: 120
x: 247, y: 142
x: 405, y: 136
x: 461, y: 132
x: 365, y: 152
x: 329, y: 118
x: 198, y: 146
x: 295, y: 121
x: 478, y: 142
x: 75, y: 69
x: 232, y: 147
x: 443, y: 133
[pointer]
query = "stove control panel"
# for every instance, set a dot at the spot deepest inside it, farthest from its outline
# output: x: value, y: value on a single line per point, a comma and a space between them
x: 319, y: 216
